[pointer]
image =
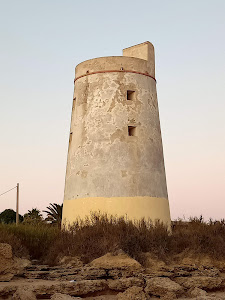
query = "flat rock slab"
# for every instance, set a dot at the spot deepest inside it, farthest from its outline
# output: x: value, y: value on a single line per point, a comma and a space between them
x: 47, y: 287
x: 103, y: 297
x: 160, y: 286
x: 59, y: 296
x: 202, y: 282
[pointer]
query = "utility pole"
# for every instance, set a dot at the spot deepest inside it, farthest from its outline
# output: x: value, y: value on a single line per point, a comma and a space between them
x: 17, y: 204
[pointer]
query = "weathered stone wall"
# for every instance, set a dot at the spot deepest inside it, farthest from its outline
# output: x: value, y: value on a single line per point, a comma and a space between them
x: 108, y: 169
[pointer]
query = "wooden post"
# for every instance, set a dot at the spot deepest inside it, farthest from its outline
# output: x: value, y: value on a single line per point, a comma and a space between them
x: 17, y: 204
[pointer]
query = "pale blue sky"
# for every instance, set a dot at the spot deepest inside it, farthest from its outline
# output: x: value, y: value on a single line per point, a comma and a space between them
x: 42, y: 41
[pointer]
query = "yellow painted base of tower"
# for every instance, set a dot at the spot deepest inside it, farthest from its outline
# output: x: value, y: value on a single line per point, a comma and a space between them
x: 134, y: 208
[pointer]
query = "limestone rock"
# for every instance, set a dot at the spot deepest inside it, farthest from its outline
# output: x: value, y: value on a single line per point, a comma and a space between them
x: 160, y: 286
x: 152, y: 262
x: 110, y: 261
x: 71, y: 261
x: 196, y: 292
x: 24, y: 294
x: 211, y: 297
x: 202, y: 271
x: 202, y: 282
x: 121, y: 273
x: 6, y: 262
x: 19, y: 264
x: 59, y: 296
x: 10, y: 266
x: 124, y: 283
x: 6, y: 276
x: 42, y: 287
x: 169, y: 296
x: 151, y: 272
x: 133, y: 293
x: 76, y: 288
x: 92, y: 273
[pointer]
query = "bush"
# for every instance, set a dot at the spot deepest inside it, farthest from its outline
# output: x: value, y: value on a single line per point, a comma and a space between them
x: 8, y: 237
x: 34, y: 239
x: 199, y: 236
x: 99, y: 234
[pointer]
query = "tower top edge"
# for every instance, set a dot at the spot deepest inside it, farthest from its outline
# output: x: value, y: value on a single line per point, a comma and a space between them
x: 113, y: 63
x: 141, y: 44
x: 109, y: 58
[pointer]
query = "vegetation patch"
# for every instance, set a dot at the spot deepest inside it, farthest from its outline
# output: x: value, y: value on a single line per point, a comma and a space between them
x: 100, y: 234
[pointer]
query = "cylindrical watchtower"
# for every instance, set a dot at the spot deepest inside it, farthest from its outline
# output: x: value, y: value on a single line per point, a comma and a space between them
x: 115, y: 158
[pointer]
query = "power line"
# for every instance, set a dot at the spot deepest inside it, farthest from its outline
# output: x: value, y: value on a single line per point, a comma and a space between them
x: 8, y: 191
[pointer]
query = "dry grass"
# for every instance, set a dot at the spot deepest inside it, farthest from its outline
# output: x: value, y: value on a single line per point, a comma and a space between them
x: 100, y: 234
x: 199, y: 236
x: 28, y: 240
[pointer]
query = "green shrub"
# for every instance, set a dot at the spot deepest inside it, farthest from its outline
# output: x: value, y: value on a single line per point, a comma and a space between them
x: 6, y: 236
x: 36, y: 239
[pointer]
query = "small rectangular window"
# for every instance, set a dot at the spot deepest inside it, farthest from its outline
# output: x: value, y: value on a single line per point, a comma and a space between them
x: 71, y: 135
x: 74, y: 103
x: 132, y: 130
x: 130, y: 95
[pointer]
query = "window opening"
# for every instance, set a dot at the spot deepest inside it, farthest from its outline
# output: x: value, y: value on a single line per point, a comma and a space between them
x: 131, y: 130
x: 130, y: 95
x: 71, y: 135
x: 74, y: 102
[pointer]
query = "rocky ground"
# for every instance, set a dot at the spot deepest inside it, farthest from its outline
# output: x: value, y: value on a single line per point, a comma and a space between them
x: 111, y: 277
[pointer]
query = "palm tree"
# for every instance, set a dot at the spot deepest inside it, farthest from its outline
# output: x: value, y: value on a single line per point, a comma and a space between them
x: 33, y: 216
x: 54, y: 213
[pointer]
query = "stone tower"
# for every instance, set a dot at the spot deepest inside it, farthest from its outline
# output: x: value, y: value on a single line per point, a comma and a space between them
x: 115, y: 158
